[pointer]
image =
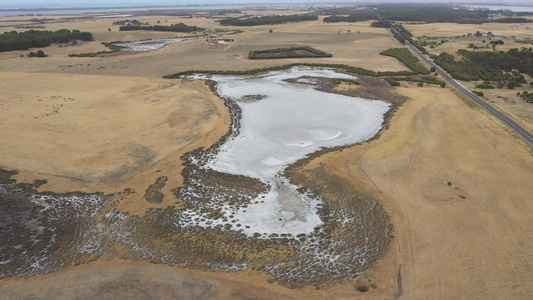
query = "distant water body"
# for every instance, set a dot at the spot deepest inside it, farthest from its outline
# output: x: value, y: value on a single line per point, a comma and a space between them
x: 14, y: 10
x: 7, y: 11
x: 504, y: 7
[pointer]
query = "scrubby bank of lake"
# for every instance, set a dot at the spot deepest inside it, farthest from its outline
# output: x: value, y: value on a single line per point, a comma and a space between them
x: 241, y: 210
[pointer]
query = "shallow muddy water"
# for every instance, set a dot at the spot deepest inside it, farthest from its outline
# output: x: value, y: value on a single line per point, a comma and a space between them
x: 148, y: 45
x: 284, y: 118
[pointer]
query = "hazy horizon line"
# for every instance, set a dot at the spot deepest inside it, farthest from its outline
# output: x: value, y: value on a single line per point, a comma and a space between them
x: 163, y: 3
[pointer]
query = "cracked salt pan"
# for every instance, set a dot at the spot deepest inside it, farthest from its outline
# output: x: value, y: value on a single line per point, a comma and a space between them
x: 290, y: 122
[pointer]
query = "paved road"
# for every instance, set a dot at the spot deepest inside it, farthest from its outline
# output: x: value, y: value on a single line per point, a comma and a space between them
x: 526, y: 135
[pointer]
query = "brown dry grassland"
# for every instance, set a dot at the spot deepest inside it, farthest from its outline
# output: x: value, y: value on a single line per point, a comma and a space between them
x: 503, y: 99
x: 456, y: 182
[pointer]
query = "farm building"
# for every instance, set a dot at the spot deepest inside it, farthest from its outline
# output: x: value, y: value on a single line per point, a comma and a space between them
x: 211, y: 42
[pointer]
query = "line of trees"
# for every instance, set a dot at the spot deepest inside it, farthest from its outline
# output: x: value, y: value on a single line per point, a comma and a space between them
x: 382, y: 24
x: 13, y: 40
x: 354, y: 16
x: 173, y: 28
x: 406, y: 57
x: 268, y: 20
x: 428, y: 13
x: 403, y: 35
x: 123, y: 22
x: 294, y: 52
x: 113, y: 48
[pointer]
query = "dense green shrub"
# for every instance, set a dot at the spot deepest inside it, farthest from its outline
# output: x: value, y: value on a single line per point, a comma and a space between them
x: 466, y: 70
x: 392, y: 82
x: 363, y: 288
x: 512, y: 84
x: 521, y: 79
x: 39, y: 53
x: 528, y: 97
x: 381, y: 24
x: 484, y: 86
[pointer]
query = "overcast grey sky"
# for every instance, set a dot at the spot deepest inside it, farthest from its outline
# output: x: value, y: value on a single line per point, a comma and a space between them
x: 93, y: 3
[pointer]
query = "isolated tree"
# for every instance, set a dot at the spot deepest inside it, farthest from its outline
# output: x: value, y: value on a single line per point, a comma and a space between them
x: 270, y: 31
x: 40, y: 53
x: 108, y: 29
